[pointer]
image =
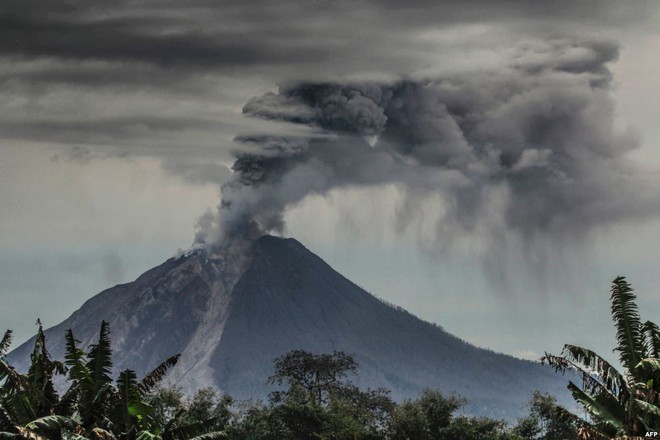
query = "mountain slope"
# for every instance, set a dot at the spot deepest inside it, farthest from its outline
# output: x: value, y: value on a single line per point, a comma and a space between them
x: 232, y: 313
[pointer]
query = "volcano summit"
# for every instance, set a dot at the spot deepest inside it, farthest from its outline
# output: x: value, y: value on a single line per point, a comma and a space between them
x: 231, y: 312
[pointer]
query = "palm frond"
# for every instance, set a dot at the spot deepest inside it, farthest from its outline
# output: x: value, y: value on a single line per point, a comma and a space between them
x: 36, y: 358
x: 216, y: 435
x: 68, y: 400
x: 128, y: 395
x: 595, y: 364
x: 590, y: 382
x: 12, y: 381
x: 103, y: 395
x: 27, y: 434
x: 127, y: 386
x: 74, y: 359
x: 59, y: 367
x: 46, y: 428
x: 95, y: 404
x: 40, y: 376
x: 606, y: 412
x: 15, y: 394
x: 146, y: 435
x: 52, y: 423
x: 157, y: 374
x: 5, y: 343
x: 96, y: 391
x: 100, y: 358
x: 651, y: 339
x: 586, y: 430
x: 648, y: 407
x: 169, y: 426
x: 649, y: 367
x: 19, y: 408
x: 627, y: 323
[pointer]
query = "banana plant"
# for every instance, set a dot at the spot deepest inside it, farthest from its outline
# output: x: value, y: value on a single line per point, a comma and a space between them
x: 619, y: 404
x: 27, y: 401
x: 94, y: 407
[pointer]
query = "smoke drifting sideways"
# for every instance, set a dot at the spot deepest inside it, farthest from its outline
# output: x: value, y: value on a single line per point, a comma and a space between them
x: 528, y: 151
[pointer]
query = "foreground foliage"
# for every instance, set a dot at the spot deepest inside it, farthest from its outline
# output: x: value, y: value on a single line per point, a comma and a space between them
x: 619, y: 404
x: 94, y: 406
x: 316, y: 399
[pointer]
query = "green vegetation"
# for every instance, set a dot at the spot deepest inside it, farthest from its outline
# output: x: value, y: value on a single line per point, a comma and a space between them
x: 618, y: 404
x: 315, y: 398
x: 93, y: 407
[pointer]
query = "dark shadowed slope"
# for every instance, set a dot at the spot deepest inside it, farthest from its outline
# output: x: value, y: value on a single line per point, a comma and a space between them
x: 289, y: 298
x: 230, y: 314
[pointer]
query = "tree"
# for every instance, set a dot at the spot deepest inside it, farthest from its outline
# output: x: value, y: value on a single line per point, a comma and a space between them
x: 618, y: 404
x: 424, y: 418
x: 318, y: 400
x: 408, y: 421
x: 206, y: 404
x: 431, y: 417
x: 545, y: 421
x: 353, y: 412
x: 257, y: 421
x: 317, y: 376
x: 166, y: 402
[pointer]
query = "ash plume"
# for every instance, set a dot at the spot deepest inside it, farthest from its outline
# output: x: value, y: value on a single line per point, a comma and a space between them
x: 530, y: 151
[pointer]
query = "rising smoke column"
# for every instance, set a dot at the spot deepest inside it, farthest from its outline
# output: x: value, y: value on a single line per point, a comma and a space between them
x: 530, y: 150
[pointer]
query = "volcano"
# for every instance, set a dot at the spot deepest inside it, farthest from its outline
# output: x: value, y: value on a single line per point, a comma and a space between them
x: 230, y: 313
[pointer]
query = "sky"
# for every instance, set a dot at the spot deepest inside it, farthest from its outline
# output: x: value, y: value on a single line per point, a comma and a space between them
x: 490, y: 166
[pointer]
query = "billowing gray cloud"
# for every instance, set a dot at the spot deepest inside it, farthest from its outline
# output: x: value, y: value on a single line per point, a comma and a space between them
x: 181, y: 63
x: 500, y: 100
x: 223, y: 35
x: 530, y: 151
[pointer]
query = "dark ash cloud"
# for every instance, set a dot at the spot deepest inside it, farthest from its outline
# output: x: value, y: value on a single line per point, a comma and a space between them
x: 207, y: 34
x: 504, y: 110
x: 137, y: 40
x: 530, y: 151
x: 54, y: 56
